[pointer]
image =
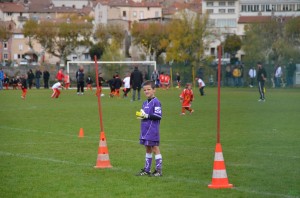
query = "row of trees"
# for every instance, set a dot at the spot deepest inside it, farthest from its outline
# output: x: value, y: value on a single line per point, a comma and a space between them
x: 181, y: 40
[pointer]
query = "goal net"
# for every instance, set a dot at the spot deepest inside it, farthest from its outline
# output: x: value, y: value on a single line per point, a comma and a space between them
x: 110, y: 68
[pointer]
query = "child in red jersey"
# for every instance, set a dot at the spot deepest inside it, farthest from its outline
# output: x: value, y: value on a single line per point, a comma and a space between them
x: 23, y: 85
x: 186, y: 98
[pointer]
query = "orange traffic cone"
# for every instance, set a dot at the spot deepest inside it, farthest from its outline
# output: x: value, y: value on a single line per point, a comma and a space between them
x: 219, y: 177
x: 81, y: 133
x: 103, y: 157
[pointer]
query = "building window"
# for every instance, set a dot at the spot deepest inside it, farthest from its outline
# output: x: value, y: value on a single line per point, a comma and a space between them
x: 230, y: 3
x: 263, y: 8
x: 124, y: 13
x: 210, y: 4
x: 298, y: 7
x: 134, y: 14
x: 222, y: 3
x: 210, y: 11
x: 231, y: 11
x: 141, y: 15
x: 292, y: 7
x: 222, y: 11
x: 5, y: 45
x: 20, y: 47
x: 19, y: 36
x: 5, y: 56
x: 9, y: 14
x: 157, y: 14
x: 244, y: 8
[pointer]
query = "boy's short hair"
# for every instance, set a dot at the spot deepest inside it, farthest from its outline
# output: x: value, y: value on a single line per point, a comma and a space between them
x: 187, y: 84
x: 149, y: 82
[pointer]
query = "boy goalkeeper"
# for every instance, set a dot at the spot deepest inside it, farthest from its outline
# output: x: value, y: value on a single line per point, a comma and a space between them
x: 150, y: 115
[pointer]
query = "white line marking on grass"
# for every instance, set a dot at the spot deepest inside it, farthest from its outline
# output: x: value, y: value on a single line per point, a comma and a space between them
x: 40, y: 158
x: 171, y: 177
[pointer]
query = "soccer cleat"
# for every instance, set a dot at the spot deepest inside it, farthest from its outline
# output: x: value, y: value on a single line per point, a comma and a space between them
x: 182, y: 114
x: 192, y: 112
x: 156, y: 173
x: 143, y: 173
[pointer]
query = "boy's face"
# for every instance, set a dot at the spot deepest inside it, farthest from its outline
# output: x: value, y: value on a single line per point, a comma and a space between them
x: 149, y: 91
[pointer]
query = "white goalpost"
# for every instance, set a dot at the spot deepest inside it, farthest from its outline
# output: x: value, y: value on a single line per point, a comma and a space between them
x: 110, y: 68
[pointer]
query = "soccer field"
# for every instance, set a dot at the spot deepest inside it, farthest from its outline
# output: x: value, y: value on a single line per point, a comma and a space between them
x: 41, y: 154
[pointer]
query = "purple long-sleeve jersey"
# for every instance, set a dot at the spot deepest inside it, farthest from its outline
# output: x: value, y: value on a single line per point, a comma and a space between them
x: 150, y: 126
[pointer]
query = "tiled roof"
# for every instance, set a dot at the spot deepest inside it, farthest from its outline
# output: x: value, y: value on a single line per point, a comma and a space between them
x: 254, y: 19
x: 259, y: 19
x: 11, y: 7
x: 130, y: 3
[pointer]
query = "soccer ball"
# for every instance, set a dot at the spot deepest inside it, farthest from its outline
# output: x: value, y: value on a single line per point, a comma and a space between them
x: 102, y: 95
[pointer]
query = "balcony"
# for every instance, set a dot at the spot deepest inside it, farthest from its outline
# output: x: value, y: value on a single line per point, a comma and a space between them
x: 22, y: 18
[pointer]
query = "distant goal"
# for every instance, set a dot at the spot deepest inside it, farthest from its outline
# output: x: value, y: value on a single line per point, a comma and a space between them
x: 109, y: 68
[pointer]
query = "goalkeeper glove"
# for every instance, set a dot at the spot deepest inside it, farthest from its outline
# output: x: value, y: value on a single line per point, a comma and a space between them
x: 141, y: 114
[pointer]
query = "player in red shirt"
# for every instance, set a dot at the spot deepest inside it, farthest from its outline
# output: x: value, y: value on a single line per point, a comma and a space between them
x: 60, y: 75
x: 186, y: 98
x: 162, y: 80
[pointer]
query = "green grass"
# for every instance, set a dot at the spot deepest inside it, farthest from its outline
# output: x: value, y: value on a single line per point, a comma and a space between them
x: 42, y: 156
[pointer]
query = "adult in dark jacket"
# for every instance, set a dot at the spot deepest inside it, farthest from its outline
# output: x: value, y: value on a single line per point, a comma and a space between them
x: 30, y: 77
x: 46, y: 76
x: 80, y: 81
x: 136, y: 81
x: 38, y: 75
x: 261, y: 78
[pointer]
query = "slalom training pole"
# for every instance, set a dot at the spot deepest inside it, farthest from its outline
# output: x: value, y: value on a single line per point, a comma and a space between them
x: 219, y: 176
x: 103, y: 156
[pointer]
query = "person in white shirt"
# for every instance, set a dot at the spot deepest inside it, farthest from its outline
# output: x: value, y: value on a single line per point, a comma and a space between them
x: 278, y: 75
x: 252, y: 75
x: 201, y: 85
x: 126, y: 82
x: 55, y: 89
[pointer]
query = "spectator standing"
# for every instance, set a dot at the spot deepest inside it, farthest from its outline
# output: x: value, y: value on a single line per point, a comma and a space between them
x: 38, y: 75
x: 6, y: 81
x: 290, y: 71
x: 46, y: 76
x: 236, y: 73
x: 261, y: 78
x: 154, y: 77
x: 150, y: 115
x: 1, y: 78
x: 136, y: 80
x: 30, y: 77
x: 178, y: 80
x: 228, y: 75
x: 80, y: 81
x: 277, y: 76
x: 252, y: 75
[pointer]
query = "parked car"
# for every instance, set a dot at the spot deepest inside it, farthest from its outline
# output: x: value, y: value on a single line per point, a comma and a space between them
x: 23, y: 62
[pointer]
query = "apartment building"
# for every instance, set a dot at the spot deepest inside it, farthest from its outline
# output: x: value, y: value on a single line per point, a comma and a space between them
x: 269, y: 7
x: 223, y: 18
